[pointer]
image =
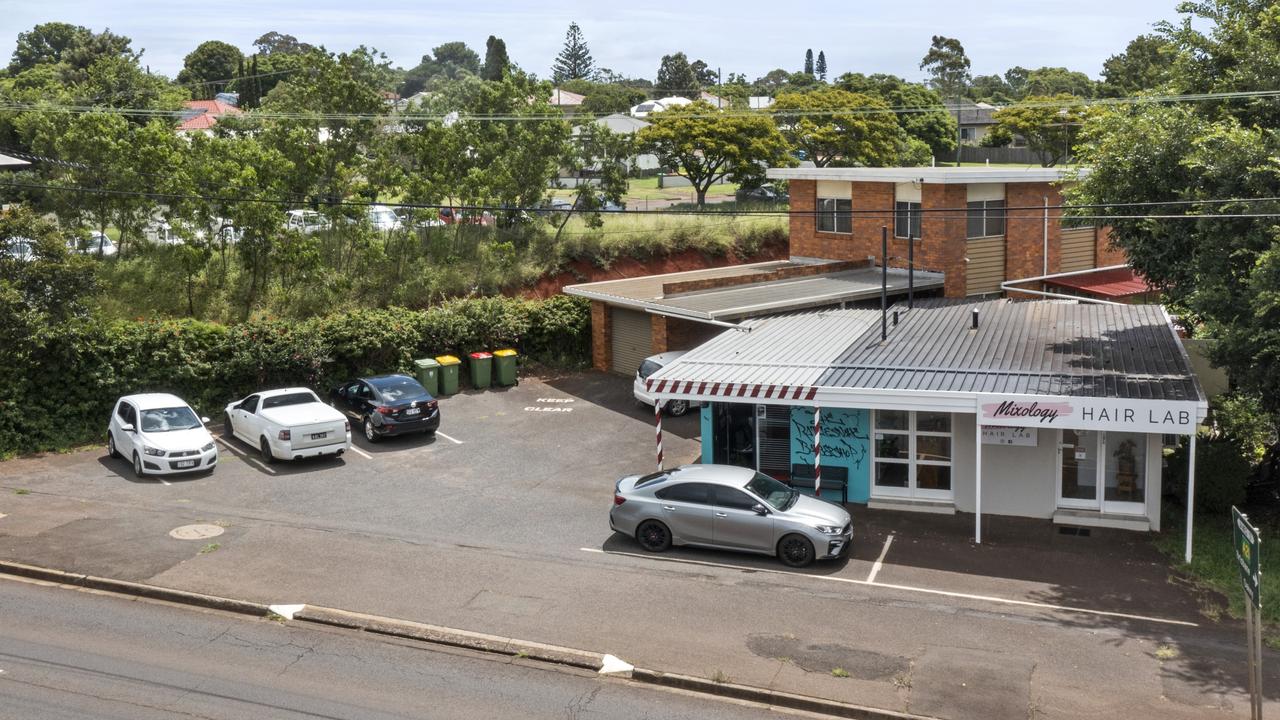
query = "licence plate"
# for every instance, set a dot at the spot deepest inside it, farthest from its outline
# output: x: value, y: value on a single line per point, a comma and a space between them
x: 319, y: 436
x: 412, y: 411
x: 185, y: 463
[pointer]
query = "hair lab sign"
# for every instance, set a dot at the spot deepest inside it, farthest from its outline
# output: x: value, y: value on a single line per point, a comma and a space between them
x: 1154, y: 416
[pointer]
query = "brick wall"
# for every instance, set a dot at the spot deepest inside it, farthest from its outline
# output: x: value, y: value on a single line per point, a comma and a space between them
x: 1106, y: 253
x: 601, y: 336
x: 658, y: 333
x: 802, y: 222
x: 1024, y: 233
x: 942, y: 230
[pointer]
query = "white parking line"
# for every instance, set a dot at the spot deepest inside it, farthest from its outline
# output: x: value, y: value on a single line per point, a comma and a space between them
x: 905, y: 588
x: 252, y: 461
x: 361, y: 453
x: 875, y: 569
x: 453, y: 440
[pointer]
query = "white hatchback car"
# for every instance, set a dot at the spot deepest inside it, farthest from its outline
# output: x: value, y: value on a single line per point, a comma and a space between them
x: 650, y: 366
x: 161, y: 435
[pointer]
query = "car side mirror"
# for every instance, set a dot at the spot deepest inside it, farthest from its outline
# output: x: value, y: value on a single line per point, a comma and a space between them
x: 204, y: 420
x: 127, y: 427
x: 760, y: 509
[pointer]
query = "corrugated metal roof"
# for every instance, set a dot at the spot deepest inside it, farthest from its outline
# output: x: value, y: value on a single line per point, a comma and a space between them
x: 1116, y: 283
x: 752, y: 299
x: 1032, y: 348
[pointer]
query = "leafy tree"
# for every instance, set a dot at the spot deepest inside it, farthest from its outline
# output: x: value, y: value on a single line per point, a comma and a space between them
x: 930, y: 123
x: 1143, y: 65
x: 702, y: 145
x: 771, y: 82
x: 865, y: 133
x: 676, y: 77
x: 707, y: 77
x: 605, y: 98
x: 1047, y: 122
x: 496, y: 61
x: 947, y: 65
x: 1016, y: 78
x: 46, y: 44
x: 209, y: 68
x: 990, y: 88
x: 821, y: 68
x: 574, y: 61
x: 1059, y: 81
x: 604, y: 155
x: 452, y: 61
x: 808, y: 61
x: 274, y: 43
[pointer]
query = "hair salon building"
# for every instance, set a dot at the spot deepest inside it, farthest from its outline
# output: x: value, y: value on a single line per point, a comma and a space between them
x: 1052, y: 410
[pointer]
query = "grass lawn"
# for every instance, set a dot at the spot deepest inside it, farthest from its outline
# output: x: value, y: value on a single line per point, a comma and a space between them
x: 1213, y: 564
x: 641, y: 189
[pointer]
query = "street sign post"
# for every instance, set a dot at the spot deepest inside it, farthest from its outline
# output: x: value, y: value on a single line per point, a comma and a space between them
x: 1248, y: 547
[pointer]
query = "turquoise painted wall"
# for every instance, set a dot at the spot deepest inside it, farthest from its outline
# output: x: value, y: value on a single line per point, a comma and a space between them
x: 845, y: 442
x: 706, y: 435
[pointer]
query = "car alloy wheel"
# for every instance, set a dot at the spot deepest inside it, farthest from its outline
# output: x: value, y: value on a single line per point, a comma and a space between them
x: 795, y: 551
x: 676, y: 408
x: 653, y: 536
x: 111, y: 445
x: 138, y: 470
x: 369, y: 433
x: 265, y: 448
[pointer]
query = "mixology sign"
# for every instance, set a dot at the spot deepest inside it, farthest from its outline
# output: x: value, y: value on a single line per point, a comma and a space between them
x: 1174, y: 417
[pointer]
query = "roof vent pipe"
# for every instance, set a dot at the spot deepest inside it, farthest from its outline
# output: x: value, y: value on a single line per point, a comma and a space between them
x: 895, y: 318
x: 974, y: 321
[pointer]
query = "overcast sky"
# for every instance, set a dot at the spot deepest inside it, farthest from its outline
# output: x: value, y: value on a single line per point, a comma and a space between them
x: 747, y: 36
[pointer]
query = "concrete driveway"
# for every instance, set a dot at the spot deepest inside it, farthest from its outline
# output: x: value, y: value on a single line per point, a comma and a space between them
x: 499, y: 525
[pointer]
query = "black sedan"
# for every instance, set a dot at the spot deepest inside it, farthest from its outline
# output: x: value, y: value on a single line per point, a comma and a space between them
x: 388, y: 405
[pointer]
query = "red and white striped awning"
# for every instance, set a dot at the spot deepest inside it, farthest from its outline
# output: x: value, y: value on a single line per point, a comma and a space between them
x: 754, y: 391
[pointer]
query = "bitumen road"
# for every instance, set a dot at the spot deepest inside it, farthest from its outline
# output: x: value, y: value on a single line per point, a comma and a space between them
x: 78, y: 654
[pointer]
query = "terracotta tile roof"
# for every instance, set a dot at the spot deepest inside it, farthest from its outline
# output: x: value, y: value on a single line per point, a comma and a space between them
x: 565, y: 98
x: 1118, y: 283
x: 203, y: 114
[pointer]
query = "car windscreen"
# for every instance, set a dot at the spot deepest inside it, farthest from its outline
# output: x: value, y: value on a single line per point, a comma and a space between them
x: 296, y: 398
x: 649, y: 367
x: 777, y: 495
x: 169, y: 419
x: 397, y: 389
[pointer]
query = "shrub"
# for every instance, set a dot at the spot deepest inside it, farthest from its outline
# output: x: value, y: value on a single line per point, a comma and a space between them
x: 1222, y: 472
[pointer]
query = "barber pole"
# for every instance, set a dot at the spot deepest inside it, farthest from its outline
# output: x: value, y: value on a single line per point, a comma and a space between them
x: 817, y: 452
x: 657, y: 419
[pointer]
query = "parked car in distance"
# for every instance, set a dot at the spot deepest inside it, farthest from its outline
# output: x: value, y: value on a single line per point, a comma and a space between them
x: 729, y: 508
x: 418, y: 218
x: 160, y: 434
x: 388, y: 405
x: 306, y: 221
x: 764, y: 193
x: 288, y: 424
x: 651, y: 365
x: 382, y: 218
x: 96, y: 244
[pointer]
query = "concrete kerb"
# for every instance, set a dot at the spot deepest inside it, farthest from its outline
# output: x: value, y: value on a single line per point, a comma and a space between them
x: 482, y: 642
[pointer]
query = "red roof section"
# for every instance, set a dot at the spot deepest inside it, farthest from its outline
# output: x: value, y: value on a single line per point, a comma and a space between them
x: 1117, y: 283
x: 206, y: 114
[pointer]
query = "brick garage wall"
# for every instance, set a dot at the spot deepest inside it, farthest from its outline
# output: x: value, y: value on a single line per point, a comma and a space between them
x: 601, y: 336
x: 670, y: 333
x: 1106, y: 253
x: 658, y: 333
x: 1024, y: 231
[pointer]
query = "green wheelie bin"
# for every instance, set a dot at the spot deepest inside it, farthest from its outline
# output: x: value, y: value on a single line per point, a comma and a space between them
x: 481, y: 367
x: 448, y: 374
x: 429, y: 375
x: 504, y: 367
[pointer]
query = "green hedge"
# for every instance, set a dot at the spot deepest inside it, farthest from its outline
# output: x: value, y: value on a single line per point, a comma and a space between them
x: 74, y: 373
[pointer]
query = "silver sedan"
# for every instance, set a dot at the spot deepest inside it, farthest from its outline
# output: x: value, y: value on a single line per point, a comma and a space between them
x: 730, y: 508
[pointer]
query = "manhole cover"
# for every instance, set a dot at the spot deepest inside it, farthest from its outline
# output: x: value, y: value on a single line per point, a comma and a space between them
x: 195, y: 532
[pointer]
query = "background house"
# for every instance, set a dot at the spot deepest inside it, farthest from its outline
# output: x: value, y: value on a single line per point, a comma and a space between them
x: 202, y: 115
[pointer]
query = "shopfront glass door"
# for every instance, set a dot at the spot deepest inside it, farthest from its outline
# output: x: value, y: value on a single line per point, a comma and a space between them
x: 1079, y: 462
x: 734, y: 434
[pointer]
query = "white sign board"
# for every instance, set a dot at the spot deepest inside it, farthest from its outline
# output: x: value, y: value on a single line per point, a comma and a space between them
x: 1148, y: 416
x: 1001, y: 435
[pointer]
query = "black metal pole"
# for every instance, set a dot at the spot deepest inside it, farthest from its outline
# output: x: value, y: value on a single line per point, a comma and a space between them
x: 884, y: 282
x: 911, y: 265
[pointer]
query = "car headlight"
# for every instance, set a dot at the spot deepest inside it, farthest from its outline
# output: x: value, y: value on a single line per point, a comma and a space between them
x: 207, y: 448
x: 828, y: 529
x: 157, y: 452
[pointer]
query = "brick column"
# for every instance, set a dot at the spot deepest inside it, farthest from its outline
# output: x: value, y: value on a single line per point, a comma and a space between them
x: 658, y: 333
x: 1024, y: 231
x: 942, y: 246
x: 601, y: 336
x: 803, y: 230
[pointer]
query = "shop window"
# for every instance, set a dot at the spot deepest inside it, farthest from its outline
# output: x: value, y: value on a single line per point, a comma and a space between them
x: 912, y: 454
x: 906, y: 219
x: 835, y: 215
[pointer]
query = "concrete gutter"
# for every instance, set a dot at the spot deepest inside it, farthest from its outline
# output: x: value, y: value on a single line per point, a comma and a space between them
x: 453, y: 637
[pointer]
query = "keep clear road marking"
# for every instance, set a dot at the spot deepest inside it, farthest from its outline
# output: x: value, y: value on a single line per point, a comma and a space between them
x: 875, y: 569
x: 253, y: 461
x: 453, y: 440
x: 905, y: 588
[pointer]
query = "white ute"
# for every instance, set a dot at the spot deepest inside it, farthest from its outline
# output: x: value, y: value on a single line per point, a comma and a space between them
x: 288, y: 424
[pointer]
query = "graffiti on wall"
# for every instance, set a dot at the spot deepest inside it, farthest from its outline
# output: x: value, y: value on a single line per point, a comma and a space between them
x: 844, y: 436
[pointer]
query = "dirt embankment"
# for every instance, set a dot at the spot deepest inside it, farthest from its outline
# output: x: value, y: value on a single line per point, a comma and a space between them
x: 582, y: 271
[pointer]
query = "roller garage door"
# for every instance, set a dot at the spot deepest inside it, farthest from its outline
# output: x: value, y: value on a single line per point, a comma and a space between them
x: 632, y: 339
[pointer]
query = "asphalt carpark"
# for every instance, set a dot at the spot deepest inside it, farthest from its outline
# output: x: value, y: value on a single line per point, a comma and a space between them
x: 531, y: 468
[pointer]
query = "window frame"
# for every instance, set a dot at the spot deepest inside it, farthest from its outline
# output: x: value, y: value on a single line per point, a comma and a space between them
x: 835, y: 215
x: 913, y: 214
x: 988, y: 216
x: 913, y: 460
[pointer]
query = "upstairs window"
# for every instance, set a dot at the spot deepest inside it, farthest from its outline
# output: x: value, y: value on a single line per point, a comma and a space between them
x: 986, y: 218
x: 906, y: 219
x: 835, y: 215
